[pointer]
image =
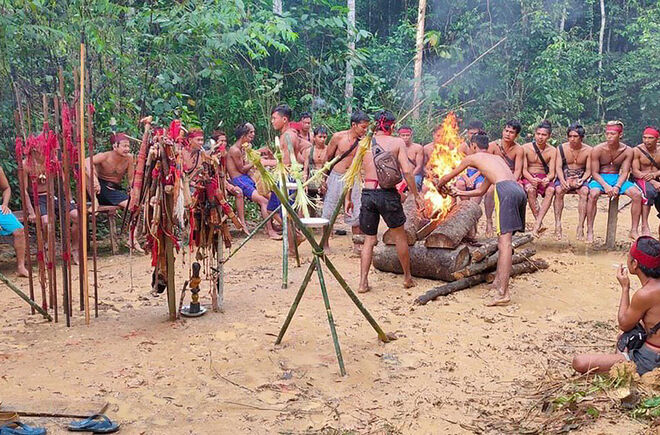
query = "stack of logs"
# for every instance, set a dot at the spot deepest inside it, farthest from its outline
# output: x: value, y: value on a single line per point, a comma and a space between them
x: 437, y: 251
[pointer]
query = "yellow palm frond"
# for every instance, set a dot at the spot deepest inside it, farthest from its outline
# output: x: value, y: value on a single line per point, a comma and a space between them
x: 356, y: 166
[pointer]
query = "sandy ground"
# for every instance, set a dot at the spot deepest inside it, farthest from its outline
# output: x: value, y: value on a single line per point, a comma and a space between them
x: 457, y: 367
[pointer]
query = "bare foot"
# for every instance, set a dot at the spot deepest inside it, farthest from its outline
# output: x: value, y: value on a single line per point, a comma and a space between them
x: 137, y: 248
x: 489, y: 231
x: 590, y: 237
x: 275, y: 236
x: 537, y: 232
x: 558, y: 232
x: 646, y: 231
x: 498, y: 301
x: 579, y: 234
x: 364, y: 289
x: 22, y: 272
x: 409, y: 283
x: 634, y: 235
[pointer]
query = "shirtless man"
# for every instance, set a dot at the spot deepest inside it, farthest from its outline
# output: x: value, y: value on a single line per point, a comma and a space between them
x: 646, y: 171
x: 110, y: 167
x: 509, y: 210
x: 344, y: 144
x: 313, y: 160
x: 38, y: 171
x: 306, y: 127
x: 429, y: 147
x: 512, y: 154
x: 573, y: 169
x: 377, y: 202
x: 10, y: 226
x: 415, y: 153
x: 192, y: 155
x: 643, y: 261
x: 539, y: 173
x: 220, y: 150
x: 475, y: 126
x: 239, y: 168
x: 610, y: 167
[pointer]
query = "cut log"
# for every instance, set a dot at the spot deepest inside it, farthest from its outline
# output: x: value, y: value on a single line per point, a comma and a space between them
x: 458, y: 223
x: 450, y: 288
x: 413, y: 223
x: 490, y: 246
x: 425, y: 263
x: 476, y: 268
x: 523, y: 267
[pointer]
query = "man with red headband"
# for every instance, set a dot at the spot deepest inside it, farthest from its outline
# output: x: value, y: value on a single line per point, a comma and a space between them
x: 377, y: 200
x: 192, y: 152
x: 110, y: 167
x: 415, y: 153
x: 646, y: 170
x: 610, y: 168
x: 638, y: 318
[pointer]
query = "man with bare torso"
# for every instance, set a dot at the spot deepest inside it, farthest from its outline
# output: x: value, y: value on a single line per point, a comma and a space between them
x: 220, y: 150
x: 415, y: 153
x: 510, y: 205
x: 475, y: 126
x: 10, y: 226
x: 539, y: 173
x: 110, y: 167
x: 313, y: 161
x: 573, y: 169
x: 512, y: 154
x: 343, y: 145
x: 610, y: 167
x: 429, y: 147
x: 642, y: 311
x: 646, y: 171
x: 35, y: 169
x: 239, y: 169
x: 377, y: 201
x: 306, y: 127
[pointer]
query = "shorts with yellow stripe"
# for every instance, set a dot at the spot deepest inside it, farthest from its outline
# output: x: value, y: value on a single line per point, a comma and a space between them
x: 510, y: 205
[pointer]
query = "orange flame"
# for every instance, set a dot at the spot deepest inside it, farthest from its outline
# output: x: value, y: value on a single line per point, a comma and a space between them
x: 445, y: 157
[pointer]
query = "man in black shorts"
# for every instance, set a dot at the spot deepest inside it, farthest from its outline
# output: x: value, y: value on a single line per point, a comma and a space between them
x: 377, y: 201
x: 510, y: 203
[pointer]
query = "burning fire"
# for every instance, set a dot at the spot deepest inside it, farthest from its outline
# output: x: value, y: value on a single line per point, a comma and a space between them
x: 444, y: 158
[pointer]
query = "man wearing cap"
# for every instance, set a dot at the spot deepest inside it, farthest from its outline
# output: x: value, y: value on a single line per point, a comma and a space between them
x: 610, y: 167
x: 646, y: 171
x: 638, y: 318
x: 110, y: 167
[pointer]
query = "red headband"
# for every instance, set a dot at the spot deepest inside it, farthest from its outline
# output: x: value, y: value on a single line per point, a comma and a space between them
x: 617, y: 128
x: 385, y: 124
x: 650, y: 131
x: 118, y: 137
x: 642, y: 258
x: 404, y: 129
x: 195, y: 133
x: 296, y: 126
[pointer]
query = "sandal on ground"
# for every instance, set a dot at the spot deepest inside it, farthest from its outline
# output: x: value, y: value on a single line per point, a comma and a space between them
x: 18, y: 428
x: 97, y: 423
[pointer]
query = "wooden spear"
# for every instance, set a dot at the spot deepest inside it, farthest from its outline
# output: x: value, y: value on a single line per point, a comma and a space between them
x: 90, y: 140
x: 18, y: 119
x: 50, y: 210
x: 81, y: 162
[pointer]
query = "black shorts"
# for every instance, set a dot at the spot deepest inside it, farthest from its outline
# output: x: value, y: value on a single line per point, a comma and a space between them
x: 43, y: 205
x: 111, y: 193
x: 510, y: 204
x: 377, y: 203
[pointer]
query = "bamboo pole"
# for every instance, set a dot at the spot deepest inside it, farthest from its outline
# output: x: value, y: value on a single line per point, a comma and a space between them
x: 23, y: 296
x: 90, y: 141
x: 331, y: 321
x: 285, y: 238
x: 67, y: 196
x: 50, y: 210
x: 83, y: 218
x: 79, y: 194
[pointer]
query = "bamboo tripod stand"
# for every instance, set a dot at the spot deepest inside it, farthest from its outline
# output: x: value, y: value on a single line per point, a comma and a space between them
x: 319, y: 258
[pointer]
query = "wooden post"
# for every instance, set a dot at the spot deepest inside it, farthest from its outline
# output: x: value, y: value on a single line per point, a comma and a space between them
x: 50, y: 209
x: 612, y: 217
x: 66, y: 177
x: 220, y: 284
x: 90, y: 140
x: 83, y: 218
x: 25, y: 298
x: 169, y: 256
x: 285, y: 237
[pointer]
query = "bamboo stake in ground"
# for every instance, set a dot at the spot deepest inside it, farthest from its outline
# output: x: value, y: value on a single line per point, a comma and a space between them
x: 90, y: 140
x: 285, y: 240
x: 83, y: 218
x: 79, y: 194
x: 50, y: 212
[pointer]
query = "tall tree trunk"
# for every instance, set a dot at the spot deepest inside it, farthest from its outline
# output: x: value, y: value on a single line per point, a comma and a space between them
x: 419, y: 47
x: 277, y: 7
x: 348, y: 93
x: 601, y: 38
x: 562, y: 22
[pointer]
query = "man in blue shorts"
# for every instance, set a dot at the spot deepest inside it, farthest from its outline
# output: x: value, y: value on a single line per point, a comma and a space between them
x: 9, y: 225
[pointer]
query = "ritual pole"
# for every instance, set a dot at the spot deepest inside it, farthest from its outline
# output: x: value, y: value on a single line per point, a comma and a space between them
x: 18, y: 120
x: 50, y: 210
x: 90, y: 141
x: 285, y: 237
x: 80, y: 195
x: 63, y: 210
x: 83, y: 218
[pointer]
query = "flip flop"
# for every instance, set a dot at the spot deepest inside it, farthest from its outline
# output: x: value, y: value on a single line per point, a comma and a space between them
x: 21, y: 429
x: 97, y: 423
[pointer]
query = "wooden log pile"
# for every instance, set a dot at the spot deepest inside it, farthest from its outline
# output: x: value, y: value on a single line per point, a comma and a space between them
x: 438, y: 250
